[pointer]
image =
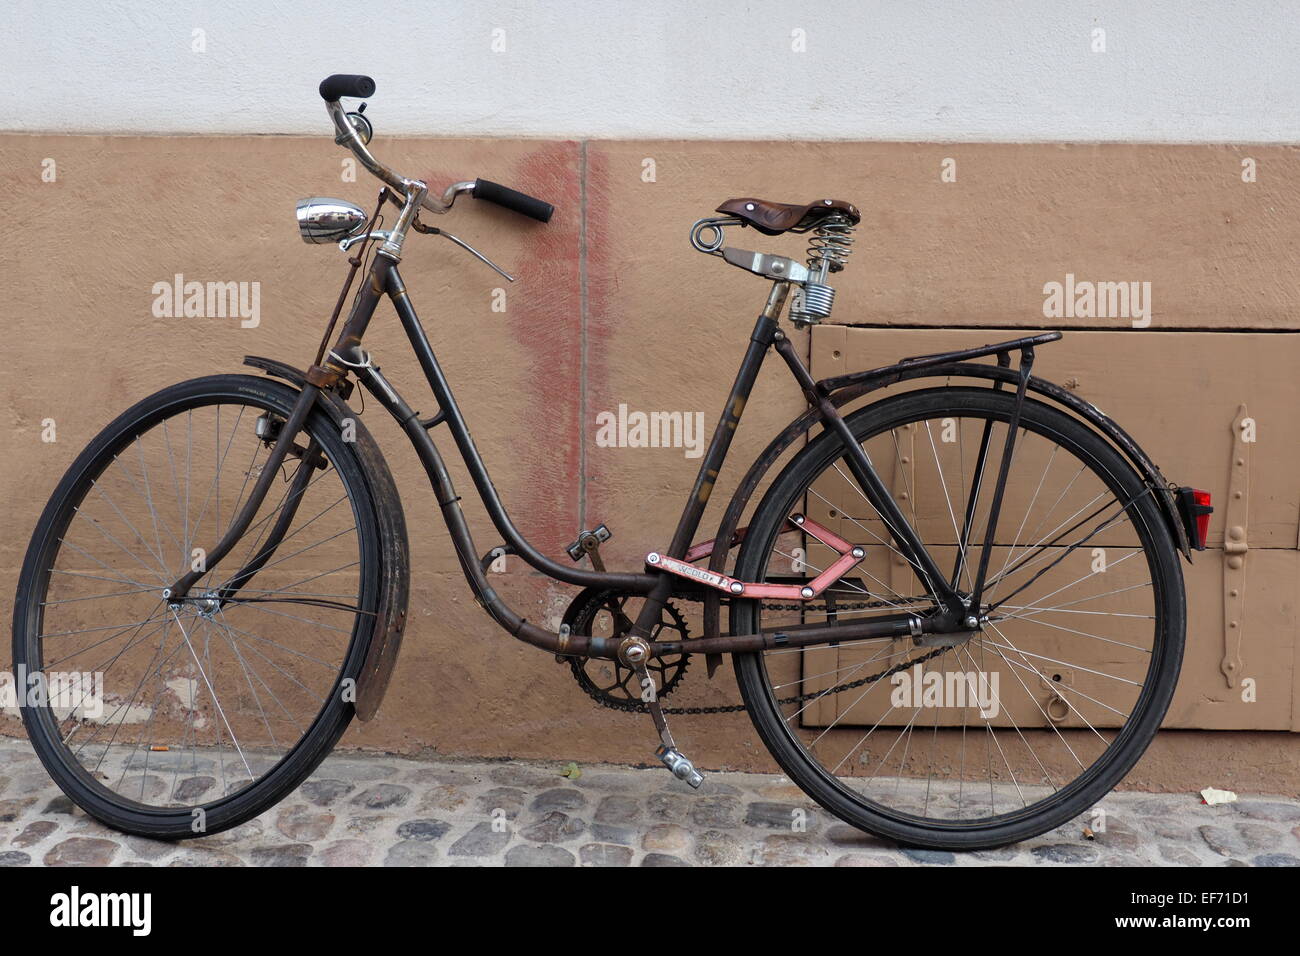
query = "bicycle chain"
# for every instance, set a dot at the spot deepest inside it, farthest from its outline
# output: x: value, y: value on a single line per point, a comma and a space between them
x: 638, y: 707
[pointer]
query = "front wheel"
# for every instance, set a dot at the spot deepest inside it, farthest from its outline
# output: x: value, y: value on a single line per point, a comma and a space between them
x: 996, y: 735
x: 170, y: 719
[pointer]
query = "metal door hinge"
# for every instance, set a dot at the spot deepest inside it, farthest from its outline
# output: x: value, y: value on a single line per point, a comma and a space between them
x: 1235, y: 547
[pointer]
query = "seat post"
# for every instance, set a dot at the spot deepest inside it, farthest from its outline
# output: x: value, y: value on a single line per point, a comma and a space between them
x: 776, y: 298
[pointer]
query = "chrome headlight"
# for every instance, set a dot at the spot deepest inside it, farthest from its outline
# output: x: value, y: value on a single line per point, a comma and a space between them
x: 322, y: 220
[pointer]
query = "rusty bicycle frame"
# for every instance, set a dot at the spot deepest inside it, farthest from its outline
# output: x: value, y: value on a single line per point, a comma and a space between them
x: 670, y: 571
x: 950, y: 609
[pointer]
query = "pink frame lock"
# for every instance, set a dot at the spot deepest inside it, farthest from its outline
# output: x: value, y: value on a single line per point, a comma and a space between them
x: 849, y: 556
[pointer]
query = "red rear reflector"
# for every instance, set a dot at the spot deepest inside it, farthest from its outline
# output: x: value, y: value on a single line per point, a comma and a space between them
x: 1202, y: 512
x: 1195, y: 510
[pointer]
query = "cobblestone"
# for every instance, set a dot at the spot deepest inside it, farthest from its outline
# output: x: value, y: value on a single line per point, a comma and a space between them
x: 615, y: 833
x: 82, y: 851
x: 284, y: 854
x: 302, y: 824
x: 411, y: 853
x: 382, y: 796
x: 605, y: 854
x: 361, y: 810
x: 426, y: 830
x: 668, y: 837
x: 564, y: 799
x: 482, y: 841
x: 524, y: 855
x: 555, y: 827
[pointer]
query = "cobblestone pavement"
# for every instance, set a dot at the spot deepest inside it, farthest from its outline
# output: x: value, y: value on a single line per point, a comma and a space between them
x: 376, y: 809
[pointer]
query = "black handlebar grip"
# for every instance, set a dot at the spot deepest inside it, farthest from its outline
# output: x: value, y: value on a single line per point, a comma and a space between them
x: 513, y: 200
x: 346, y: 84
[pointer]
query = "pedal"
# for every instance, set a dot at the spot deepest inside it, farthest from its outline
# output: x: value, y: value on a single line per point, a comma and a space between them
x: 635, y: 652
x: 681, y: 767
x: 588, y: 544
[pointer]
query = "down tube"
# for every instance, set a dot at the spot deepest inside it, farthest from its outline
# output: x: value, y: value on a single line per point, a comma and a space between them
x: 570, y: 574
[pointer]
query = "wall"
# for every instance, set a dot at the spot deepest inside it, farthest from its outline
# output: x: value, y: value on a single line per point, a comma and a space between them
x: 930, y: 70
x: 613, y: 306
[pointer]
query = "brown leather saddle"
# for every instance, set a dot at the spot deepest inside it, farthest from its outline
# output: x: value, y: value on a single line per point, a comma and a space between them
x: 774, y: 218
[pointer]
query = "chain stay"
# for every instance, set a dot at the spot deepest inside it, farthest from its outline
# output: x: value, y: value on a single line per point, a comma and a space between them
x: 637, y: 707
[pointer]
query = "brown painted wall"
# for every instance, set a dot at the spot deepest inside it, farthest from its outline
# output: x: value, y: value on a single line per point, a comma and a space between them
x: 614, y: 307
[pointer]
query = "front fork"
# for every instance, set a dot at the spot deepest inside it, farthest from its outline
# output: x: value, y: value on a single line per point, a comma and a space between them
x: 284, y: 444
x: 311, y: 459
x: 318, y: 377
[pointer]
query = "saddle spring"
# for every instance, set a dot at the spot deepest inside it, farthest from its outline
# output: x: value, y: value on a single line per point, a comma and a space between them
x: 831, y: 246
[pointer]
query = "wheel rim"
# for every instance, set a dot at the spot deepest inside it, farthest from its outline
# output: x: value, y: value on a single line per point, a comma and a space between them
x: 159, y: 708
x: 904, y: 745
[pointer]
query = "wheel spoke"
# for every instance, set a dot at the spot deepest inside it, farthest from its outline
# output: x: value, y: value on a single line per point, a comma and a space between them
x: 1067, y: 640
x: 198, y: 689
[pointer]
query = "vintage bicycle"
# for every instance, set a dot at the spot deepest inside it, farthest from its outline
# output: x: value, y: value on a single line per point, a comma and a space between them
x: 955, y: 611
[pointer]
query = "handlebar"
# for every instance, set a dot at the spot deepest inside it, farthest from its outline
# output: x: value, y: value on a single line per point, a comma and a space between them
x: 513, y: 200
x: 346, y: 84
x: 354, y: 85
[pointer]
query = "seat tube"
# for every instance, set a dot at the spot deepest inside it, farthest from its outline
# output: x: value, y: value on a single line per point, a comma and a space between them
x: 760, y: 340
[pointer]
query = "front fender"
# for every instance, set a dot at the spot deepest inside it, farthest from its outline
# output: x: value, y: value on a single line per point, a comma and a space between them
x: 394, y: 552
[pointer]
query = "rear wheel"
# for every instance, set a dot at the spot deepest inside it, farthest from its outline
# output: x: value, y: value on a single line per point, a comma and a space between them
x: 1015, y: 729
x: 178, y: 720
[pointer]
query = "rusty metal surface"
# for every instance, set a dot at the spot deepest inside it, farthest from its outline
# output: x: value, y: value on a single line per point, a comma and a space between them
x: 390, y: 622
x: 323, y: 377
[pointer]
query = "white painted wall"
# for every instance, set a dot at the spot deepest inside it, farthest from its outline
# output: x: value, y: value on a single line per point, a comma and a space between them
x: 959, y: 70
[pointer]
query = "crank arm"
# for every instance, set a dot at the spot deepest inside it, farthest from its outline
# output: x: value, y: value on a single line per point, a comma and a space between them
x: 634, y: 654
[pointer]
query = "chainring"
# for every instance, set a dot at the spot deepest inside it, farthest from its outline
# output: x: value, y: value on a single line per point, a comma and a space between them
x: 599, y: 612
x: 614, y: 685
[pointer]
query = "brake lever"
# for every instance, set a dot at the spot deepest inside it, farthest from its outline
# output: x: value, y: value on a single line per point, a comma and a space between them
x: 435, y: 231
x: 384, y: 235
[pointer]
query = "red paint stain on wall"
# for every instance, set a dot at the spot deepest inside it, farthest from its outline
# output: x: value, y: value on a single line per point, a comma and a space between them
x: 547, y: 311
x: 545, y: 320
x: 601, y: 317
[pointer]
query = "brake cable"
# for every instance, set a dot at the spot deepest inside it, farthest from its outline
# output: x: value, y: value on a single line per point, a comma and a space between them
x: 355, y: 263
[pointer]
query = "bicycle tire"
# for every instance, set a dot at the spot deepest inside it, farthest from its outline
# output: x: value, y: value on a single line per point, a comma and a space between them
x: 231, y: 808
x: 1138, y: 730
